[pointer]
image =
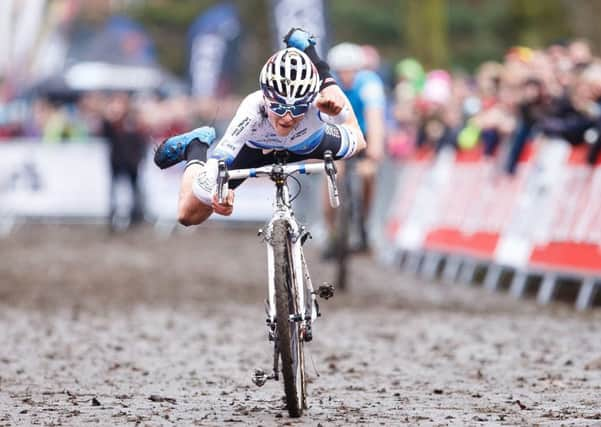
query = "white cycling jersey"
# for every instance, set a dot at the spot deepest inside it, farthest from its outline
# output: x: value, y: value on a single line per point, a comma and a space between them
x: 251, y: 127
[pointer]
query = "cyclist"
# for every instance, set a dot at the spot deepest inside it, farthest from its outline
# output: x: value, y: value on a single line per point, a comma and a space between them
x: 365, y: 91
x: 299, y: 109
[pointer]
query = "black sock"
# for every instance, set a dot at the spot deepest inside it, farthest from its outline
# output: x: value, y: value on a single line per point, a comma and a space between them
x: 323, y: 69
x: 312, y: 54
x: 196, y: 150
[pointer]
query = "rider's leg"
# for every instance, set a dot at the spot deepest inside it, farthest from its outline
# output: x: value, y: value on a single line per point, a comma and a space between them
x: 367, y: 171
x: 115, y: 173
x: 329, y: 211
x: 191, y: 211
x: 178, y: 148
x: 367, y: 199
x: 137, y: 209
x: 330, y: 214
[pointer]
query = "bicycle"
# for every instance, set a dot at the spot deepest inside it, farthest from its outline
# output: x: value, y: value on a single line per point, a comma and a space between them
x: 291, y: 304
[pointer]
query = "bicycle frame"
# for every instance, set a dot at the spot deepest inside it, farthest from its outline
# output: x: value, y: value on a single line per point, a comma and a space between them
x: 282, y: 210
x: 291, y: 299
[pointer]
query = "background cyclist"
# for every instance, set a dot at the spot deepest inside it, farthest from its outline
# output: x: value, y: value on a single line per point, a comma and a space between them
x: 299, y: 109
x: 365, y: 91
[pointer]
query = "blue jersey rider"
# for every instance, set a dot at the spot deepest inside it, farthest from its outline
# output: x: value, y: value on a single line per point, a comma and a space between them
x: 365, y: 91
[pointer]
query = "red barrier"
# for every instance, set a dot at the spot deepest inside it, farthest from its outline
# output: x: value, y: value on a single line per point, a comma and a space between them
x: 412, y: 177
x: 574, y: 238
x: 463, y: 226
x: 547, y: 216
x: 476, y: 207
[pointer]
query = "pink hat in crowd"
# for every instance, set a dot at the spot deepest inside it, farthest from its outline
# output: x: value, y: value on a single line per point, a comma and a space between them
x: 437, y: 88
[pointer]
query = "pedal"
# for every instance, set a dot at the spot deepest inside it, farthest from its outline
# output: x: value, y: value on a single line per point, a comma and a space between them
x: 306, y: 235
x: 259, y: 377
x: 308, y: 333
x: 325, y: 291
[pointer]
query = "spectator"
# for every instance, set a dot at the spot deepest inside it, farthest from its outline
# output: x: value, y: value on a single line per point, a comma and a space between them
x: 365, y: 91
x: 121, y: 128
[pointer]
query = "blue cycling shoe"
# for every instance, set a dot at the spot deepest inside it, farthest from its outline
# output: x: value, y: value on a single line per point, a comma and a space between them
x: 299, y: 39
x: 173, y: 150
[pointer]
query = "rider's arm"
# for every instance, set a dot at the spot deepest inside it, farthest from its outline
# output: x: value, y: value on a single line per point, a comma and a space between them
x: 331, y: 97
x: 351, y: 125
x: 239, y: 129
x: 342, y: 134
x: 302, y: 40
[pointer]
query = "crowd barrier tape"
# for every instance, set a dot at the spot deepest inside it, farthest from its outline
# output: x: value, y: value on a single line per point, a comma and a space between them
x: 546, y: 217
x: 72, y: 180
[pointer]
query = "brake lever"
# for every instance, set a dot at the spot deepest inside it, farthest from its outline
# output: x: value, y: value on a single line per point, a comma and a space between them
x: 330, y: 168
x: 222, y: 179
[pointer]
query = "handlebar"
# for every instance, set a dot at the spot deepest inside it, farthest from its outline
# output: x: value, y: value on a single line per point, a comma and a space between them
x: 327, y: 166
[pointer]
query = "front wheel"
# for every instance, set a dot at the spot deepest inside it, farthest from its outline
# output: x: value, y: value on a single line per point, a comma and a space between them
x: 289, y: 342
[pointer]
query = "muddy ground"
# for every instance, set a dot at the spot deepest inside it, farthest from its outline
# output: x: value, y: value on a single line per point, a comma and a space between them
x: 148, y: 329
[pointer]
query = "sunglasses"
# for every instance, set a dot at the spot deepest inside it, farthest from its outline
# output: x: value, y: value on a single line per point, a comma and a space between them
x: 281, y: 109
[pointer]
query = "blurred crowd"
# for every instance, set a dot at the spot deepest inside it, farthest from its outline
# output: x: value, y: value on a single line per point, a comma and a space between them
x: 554, y: 91
x: 79, y: 116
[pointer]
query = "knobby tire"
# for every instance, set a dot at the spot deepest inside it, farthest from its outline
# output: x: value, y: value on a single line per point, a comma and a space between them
x: 290, y: 345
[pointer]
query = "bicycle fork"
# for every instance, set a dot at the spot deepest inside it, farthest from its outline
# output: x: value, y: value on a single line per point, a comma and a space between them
x: 302, y: 291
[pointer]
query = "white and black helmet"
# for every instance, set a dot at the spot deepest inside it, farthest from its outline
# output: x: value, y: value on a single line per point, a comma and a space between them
x: 289, y: 77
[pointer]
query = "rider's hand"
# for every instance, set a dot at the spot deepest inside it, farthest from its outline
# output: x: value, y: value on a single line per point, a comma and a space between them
x: 204, y: 185
x: 227, y: 207
x: 331, y: 100
x: 299, y: 39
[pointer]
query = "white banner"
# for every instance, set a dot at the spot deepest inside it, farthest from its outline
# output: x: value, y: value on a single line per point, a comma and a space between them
x: 310, y: 15
x: 73, y: 180
x: 54, y: 179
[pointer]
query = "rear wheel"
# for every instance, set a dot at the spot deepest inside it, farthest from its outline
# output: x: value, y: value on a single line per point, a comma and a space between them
x: 289, y: 342
x: 343, y: 231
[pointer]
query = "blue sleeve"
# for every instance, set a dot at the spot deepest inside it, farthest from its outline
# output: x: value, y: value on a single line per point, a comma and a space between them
x: 371, y: 89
